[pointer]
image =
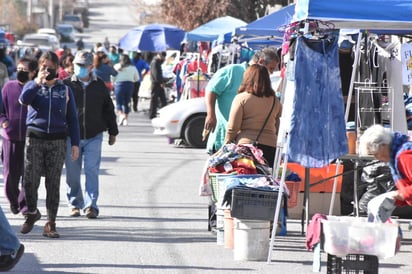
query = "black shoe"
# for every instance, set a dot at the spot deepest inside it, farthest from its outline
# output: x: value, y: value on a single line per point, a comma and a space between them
x: 91, y: 213
x: 14, y: 209
x: 7, y: 262
x: 30, y: 220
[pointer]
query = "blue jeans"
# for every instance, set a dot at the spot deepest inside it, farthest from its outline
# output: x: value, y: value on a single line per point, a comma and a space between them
x: 89, y: 150
x: 9, y: 242
x: 123, y: 92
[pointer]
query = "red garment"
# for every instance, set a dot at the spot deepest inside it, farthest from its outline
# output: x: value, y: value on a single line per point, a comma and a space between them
x: 194, y: 65
x: 314, y: 231
x: 404, y: 185
x: 62, y: 73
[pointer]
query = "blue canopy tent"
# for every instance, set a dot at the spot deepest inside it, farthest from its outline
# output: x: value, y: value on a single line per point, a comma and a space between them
x: 269, y: 25
x: 219, y: 28
x: 153, y: 37
x: 381, y: 15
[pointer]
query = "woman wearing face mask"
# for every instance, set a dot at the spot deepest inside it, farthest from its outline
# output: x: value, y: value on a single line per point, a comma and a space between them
x: 13, y: 122
x: 51, y: 117
x: 124, y: 83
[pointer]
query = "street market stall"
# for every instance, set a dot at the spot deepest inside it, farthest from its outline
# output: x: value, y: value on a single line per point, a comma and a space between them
x: 320, y: 19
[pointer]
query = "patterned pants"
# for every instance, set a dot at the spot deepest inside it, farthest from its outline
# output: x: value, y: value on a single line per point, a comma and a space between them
x: 43, y: 158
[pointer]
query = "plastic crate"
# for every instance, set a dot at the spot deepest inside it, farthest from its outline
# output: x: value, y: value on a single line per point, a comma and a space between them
x: 251, y: 204
x: 352, y: 263
x: 219, y: 182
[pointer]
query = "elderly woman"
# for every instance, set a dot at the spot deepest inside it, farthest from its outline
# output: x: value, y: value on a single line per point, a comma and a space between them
x: 396, y: 149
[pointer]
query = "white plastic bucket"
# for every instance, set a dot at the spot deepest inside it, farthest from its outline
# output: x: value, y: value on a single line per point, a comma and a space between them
x: 220, y: 220
x: 251, y: 240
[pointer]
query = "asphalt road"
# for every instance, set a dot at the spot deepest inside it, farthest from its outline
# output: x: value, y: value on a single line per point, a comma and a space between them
x: 152, y: 219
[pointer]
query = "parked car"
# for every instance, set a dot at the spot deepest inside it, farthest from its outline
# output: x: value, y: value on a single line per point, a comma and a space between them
x: 183, y: 120
x: 66, y: 32
x: 47, y: 31
x: 42, y: 41
x: 75, y: 20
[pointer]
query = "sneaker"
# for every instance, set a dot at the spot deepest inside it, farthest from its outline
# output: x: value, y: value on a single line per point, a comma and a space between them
x: 125, y: 122
x: 120, y: 120
x: 91, y: 213
x: 75, y: 212
x: 50, y: 230
x: 30, y: 220
x: 7, y: 262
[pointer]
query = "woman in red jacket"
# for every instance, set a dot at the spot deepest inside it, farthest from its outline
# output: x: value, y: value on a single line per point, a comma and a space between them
x: 396, y: 149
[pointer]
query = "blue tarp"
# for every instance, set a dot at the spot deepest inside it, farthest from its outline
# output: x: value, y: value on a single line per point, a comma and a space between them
x: 215, y: 29
x: 394, y: 15
x: 269, y: 25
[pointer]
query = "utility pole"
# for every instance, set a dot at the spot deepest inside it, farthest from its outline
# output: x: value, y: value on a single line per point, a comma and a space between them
x: 60, y: 10
x: 51, y: 13
x: 29, y: 10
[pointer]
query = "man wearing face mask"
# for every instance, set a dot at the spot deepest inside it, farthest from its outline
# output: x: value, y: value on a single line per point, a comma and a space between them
x: 96, y: 115
x: 13, y: 122
x: 51, y: 117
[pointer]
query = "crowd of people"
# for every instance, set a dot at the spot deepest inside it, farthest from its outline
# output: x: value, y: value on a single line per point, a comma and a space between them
x: 54, y: 111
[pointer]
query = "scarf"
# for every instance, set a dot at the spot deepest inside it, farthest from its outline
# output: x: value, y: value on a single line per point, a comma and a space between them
x: 399, y: 144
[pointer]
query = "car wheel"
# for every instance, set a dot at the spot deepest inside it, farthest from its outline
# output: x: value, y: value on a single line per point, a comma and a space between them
x: 193, y: 132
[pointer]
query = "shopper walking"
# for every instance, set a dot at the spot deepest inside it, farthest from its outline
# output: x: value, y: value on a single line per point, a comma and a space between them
x: 13, y: 123
x: 104, y: 69
x: 96, y: 115
x: 51, y: 116
x: 142, y: 69
x: 156, y: 76
x: 124, y: 83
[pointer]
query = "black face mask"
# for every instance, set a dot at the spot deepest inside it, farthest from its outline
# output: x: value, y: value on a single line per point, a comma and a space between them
x: 52, y: 74
x: 22, y: 76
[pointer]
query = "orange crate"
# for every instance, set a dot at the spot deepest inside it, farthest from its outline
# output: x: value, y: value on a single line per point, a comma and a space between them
x: 317, y: 174
x: 293, y: 193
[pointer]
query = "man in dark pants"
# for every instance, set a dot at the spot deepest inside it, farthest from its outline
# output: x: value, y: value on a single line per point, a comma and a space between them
x: 156, y: 76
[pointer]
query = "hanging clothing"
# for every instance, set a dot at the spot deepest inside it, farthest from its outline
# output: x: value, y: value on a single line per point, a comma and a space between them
x: 318, y: 132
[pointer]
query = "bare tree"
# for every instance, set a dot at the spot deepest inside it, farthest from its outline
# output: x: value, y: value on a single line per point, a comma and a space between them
x: 189, y: 14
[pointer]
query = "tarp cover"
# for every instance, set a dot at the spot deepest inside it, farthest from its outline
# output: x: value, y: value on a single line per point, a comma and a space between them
x: 269, y: 25
x: 215, y: 29
x: 362, y: 14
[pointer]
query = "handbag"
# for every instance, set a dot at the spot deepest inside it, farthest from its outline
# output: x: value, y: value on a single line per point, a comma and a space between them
x: 255, y: 143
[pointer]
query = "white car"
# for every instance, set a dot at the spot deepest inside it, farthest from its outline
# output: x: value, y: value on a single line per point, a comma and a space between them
x: 43, y: 41
x: 183, y: 120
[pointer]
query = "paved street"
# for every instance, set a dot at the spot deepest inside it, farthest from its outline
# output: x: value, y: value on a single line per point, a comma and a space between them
x: 152, y: 219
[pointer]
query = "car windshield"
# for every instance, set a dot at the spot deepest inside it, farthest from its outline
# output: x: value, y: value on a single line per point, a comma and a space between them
x: 71, y: 18
x: 65, y: 29
x: 37, y: 41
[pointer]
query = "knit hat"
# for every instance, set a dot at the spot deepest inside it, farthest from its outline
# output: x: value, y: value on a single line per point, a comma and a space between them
x: 84, y: 58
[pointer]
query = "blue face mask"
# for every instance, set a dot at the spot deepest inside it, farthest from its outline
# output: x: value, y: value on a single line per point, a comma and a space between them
x: 80, y: 72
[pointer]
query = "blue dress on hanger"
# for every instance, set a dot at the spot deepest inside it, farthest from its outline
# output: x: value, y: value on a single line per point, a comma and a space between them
x: 317, y: 131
